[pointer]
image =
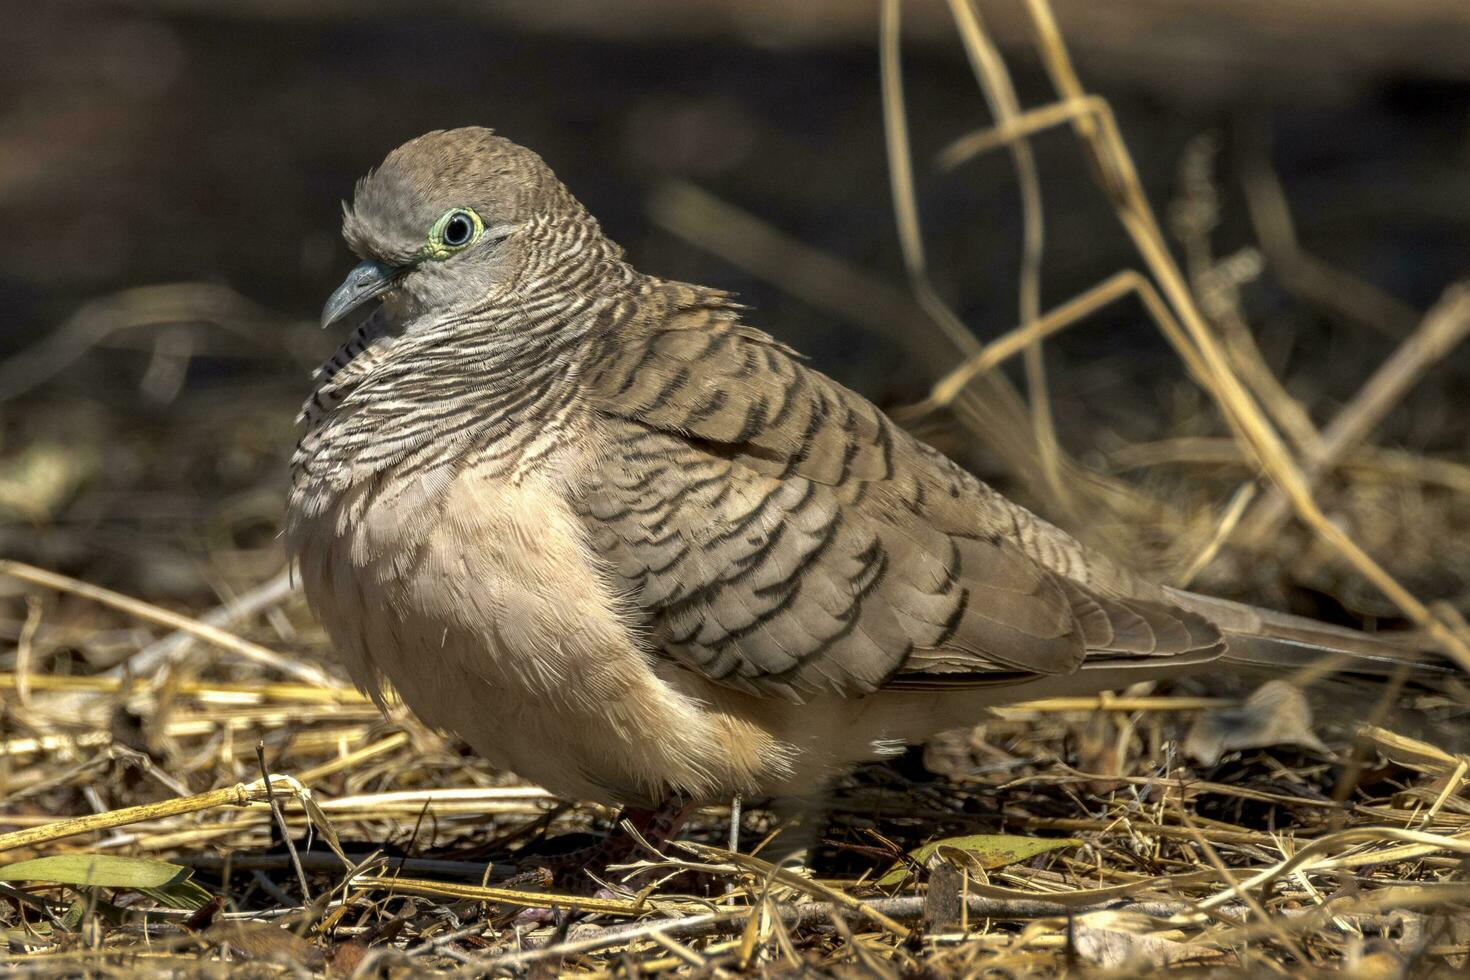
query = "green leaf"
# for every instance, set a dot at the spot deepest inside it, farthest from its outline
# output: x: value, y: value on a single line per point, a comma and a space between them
x: 180, y: 895
x: 983, y: 851
x: 107, y: 870
x: 165, y: 883
x: 72, y: 920
x: 31, y: 939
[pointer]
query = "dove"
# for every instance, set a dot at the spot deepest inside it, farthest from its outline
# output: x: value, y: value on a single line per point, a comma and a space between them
x: 632, y: 548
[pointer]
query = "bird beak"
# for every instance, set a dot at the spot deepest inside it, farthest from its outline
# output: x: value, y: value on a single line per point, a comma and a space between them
x: 366, y: 281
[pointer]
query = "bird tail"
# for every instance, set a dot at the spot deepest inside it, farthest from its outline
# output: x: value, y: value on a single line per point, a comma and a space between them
x: 1265, y: 638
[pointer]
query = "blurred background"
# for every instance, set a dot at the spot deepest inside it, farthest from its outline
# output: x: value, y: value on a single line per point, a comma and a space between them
x: 171, y: 172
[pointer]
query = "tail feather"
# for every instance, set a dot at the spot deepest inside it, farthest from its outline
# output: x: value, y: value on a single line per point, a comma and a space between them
x: 1265, y: 638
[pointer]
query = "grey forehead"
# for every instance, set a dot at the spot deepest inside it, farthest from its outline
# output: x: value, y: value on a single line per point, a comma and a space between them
x: 394, y: 205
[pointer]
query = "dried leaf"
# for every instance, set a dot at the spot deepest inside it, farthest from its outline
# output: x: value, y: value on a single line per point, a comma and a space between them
x: 1410, y: 752
x: 323, y: 825
x: 981, y: 851
x: 1115, y: 942
x: 944, y: 903
x: 271, y: 943
x: 1277, y: 714
x: 346, y: 958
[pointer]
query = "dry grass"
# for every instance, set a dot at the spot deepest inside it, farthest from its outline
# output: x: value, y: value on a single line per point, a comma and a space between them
x: 335, y: 840
x: 407, y: 851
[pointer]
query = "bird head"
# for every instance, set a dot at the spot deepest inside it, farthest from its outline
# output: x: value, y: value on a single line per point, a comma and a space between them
x: 446, y: 221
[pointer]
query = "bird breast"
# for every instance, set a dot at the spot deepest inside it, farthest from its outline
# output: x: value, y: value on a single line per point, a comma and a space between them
x: 476, y: 598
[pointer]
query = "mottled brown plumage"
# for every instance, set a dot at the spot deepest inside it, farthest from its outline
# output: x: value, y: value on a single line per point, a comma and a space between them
x: 628, y: 546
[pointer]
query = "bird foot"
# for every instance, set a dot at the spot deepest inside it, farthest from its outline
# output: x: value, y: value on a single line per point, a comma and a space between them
x: 634, y: 829
x: 577, y: 872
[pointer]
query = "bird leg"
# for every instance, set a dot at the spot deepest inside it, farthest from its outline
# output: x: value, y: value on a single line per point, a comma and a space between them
x: 575, y: 870
x: 655, y: 826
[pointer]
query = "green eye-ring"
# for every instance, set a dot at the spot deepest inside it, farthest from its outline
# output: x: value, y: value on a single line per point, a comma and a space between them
x: 456, y: 229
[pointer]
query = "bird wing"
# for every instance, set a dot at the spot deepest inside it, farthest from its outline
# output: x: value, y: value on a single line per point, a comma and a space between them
x: 783, y: 536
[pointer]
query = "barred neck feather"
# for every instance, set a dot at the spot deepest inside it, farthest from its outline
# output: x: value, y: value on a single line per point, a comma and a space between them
x: 495, y: 384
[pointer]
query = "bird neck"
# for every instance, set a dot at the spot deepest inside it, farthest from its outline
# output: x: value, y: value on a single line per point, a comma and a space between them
x: 496, y: 382
x: 499, y: 388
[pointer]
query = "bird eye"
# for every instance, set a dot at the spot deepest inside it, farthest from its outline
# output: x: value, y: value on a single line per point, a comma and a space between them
x: 458, y: 229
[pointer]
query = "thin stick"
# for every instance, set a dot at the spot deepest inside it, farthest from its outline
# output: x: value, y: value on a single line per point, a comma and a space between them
x: 163, y: 617
x: 241, y: 794
x: 265, y: 596
x: 796, y: 881
x: 1000, y: 94
x: 1368, y: 460
x: 238, y: 692
x: 270, y: 795
x: 23, y: 647
x: 380, y: 747
x: 510, y: 896
x: 1442, y: 329
x: 1112, y: 702
x: 1120, y: 179
x: 901, y: 182
x: 1224, y: 527
x: 1028, y: 123
x: 1119, y: 284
